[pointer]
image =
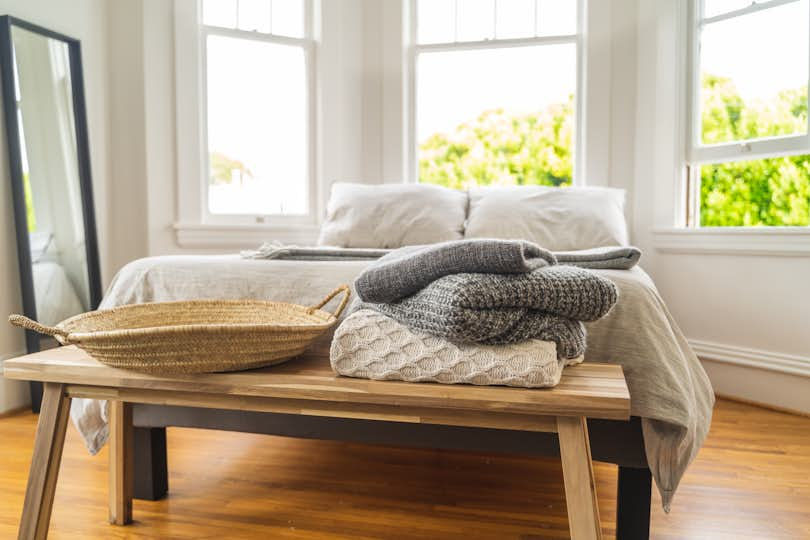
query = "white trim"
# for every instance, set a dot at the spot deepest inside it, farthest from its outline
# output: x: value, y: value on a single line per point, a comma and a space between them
x: 197, y: 235
x: 754, y: 7
x: 593, y: 104
x: 188, y: 84
x: 495, y: 43
x: 192, y: 141
x: 790, y: 364
x: 767, y: 147
x: 748, y: 241
x: 238, y: 33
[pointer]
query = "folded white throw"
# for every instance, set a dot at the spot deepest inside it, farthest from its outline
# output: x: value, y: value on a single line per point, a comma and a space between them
x: 371, y: 345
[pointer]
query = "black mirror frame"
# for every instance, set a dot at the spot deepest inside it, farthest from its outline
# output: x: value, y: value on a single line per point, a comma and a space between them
x: 32, y: 339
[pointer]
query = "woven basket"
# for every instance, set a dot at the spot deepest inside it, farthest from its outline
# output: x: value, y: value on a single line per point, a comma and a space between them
x: 197, y: 336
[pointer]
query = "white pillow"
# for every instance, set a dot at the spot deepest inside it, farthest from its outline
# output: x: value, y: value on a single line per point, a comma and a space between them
x: 559, y: 219
x: 392, y: 215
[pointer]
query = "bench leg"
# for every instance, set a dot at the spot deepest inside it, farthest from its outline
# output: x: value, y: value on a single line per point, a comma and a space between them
x: 121, y: 461
x: 151, y: 470
x: 50, y: 440
x: 633, y: 504
x: 580, y: 488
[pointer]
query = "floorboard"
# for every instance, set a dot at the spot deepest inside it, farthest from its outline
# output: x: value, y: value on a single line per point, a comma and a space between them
x: 750, y: 481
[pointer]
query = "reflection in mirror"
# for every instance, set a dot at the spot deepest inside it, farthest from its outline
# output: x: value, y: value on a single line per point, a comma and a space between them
x: 52, y: 189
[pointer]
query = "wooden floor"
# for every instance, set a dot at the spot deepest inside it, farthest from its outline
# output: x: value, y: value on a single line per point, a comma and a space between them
x: 751, y: 480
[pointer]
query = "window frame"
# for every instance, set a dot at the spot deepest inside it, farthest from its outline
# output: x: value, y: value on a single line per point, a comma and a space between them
x: 414, y: 49
x: 192, y: 135
x: 698, y: 153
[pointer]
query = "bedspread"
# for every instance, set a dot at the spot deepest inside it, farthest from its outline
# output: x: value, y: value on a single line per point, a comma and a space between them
x: 669, y: 389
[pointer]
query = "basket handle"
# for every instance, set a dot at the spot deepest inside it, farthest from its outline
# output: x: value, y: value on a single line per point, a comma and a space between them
x: 342, y: 289
x: 30, y: 324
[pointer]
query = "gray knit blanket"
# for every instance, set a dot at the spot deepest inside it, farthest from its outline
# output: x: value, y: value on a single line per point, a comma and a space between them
x: 501, y: 326
x: 407, y: 270
x: 277, y: 250
x: 547, y: 303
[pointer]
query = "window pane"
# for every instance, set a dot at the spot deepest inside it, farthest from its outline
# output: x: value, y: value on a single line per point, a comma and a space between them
x: 718, y: 7
x: 219, y: 13
x: 754, y: 71
x: 257, y: 127
x: 482, y: 121
x: 556, y: 17
x: 475, y: 20
x: 772, y: 192
x: 254, y: 15
x: 288, y: 18
x: 436, y: 21
x: 514, y: 19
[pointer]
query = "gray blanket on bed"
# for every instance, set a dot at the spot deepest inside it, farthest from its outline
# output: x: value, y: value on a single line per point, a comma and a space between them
x: 407, y: 270
x: 601, y: 258
x: 609, y: 257
x: 669, y: 389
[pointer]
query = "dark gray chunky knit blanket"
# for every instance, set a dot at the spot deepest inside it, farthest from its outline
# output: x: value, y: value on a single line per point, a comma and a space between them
x: 548, y: 303
x: 409, y: 269
x: 491, y: 326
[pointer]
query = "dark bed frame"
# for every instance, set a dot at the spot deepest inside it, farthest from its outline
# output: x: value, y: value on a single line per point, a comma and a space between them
x: 612, y: 441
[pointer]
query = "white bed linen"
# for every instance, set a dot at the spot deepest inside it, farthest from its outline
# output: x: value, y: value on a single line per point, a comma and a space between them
x: 668, y: 387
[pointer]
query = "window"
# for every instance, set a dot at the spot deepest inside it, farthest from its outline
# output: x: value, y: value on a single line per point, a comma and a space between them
x: 495, y: 91
x: 256, y: 58
x: 749, y: 148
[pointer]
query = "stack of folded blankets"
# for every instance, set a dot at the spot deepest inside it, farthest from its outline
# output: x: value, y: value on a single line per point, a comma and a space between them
x: 475, y: 311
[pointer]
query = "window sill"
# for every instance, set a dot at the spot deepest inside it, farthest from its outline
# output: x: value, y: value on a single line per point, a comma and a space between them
x: 745, y: 241
x: 204, y: 235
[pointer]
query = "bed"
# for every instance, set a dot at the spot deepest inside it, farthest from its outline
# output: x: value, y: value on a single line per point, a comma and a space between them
x: 671, y: 397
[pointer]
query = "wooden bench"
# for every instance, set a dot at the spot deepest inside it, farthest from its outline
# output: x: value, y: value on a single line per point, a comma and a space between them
x: 307, y: 386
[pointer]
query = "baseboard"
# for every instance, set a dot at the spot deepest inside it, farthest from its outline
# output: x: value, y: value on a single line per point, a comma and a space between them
x: 753, y: 358
x: 765, y: 378
x: 15, y: 411
x: 14, y: 395
x: 761, y: 405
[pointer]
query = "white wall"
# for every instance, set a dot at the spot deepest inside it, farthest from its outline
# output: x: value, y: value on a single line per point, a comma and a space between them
x: 746, y: 315
x: 85, y: 20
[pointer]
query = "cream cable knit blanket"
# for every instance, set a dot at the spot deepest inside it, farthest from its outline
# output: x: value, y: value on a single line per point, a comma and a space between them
x: 370, y: 345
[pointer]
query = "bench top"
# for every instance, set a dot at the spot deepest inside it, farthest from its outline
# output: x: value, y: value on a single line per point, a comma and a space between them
x: 590, y: 389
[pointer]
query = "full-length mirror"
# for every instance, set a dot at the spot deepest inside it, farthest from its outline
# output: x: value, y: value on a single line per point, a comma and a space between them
x: 44, y: 110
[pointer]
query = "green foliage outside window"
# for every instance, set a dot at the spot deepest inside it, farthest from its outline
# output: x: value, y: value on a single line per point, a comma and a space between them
x: 30, y: 216
x: 500, y: 148
x: 773, y: 191
x: 225, y: 169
